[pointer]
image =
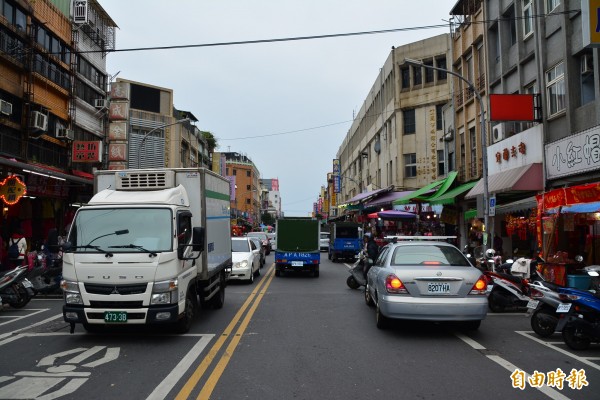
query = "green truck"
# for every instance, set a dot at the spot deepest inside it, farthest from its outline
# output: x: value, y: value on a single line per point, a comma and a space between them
x: 297, y: 245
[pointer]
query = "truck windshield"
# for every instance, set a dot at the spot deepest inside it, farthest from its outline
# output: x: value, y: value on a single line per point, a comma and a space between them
x: 100, y: 230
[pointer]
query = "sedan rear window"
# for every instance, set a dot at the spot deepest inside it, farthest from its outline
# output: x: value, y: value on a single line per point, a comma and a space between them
x: 428, y: 255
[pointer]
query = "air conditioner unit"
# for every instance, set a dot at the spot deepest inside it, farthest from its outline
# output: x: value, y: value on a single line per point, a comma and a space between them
x: 80, y: 12
x: 498, y: 133
x: 100, y: 103
x: 64, y: 133
x: 587, y: 64
x: 39, y: 121
x: 5, y: 107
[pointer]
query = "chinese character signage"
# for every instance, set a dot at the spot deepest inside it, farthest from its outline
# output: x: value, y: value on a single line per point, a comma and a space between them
x: 118, y: 111
x: 117, y: 152
x: 87, y: 151
x: 117, y: 131
x: 11, y: 190
x: 119, y: 91
x: 574, y: 154
x: 337, y: 179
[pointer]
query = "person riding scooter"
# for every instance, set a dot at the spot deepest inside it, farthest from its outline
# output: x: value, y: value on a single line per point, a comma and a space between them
x: 371, y: 250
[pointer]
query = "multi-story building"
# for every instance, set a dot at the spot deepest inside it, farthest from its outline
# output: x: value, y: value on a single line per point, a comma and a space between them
x: 271, y: 199
x: 396, y: 137
x: 50, y: 133
x: 146, y: 131
x: 245, y: 183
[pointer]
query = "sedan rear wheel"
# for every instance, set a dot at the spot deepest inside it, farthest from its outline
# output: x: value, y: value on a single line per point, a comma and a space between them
x: 368, y: 298
x: 383, y: 322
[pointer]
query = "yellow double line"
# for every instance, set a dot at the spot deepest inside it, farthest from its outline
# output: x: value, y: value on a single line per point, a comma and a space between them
x: 214, y: 377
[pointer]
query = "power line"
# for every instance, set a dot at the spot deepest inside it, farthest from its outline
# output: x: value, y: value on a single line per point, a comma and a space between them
x: 287, y: 132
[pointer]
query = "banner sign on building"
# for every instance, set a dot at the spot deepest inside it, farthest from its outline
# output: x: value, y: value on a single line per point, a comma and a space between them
x: 574, y: 154
x: 87, y: 151
x: 590, y: 23
x: 337, y: 179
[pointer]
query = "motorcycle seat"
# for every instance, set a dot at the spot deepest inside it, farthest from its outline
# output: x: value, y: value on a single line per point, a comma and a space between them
x: 512, y: 278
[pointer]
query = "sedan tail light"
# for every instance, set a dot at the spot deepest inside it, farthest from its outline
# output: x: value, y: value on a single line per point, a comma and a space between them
x: 480, y: 287
x: 393, y: 284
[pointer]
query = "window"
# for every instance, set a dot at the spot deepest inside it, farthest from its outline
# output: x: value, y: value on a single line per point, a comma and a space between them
x: 248, y: 173
x: 586, y: 63
x: 405, y: 74
x: 439, y: 117
x: 441, y: 63
x: 428, y: 71
x: 551, y: 5
x: 510, y: 19
x: 409, y: 121
x: 527, y: 18
x: 410, y: 165
x: 417, y: 75
x: 555, y: 89
x: 441, y: 162
x: 248, y: 187
x: 234, y: 172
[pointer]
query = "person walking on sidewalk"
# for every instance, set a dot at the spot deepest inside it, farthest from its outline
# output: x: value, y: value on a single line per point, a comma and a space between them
x: 17, y: 257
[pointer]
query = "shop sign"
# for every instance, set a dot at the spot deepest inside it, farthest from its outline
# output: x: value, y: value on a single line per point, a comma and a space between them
x: 119, y: 91
x: 117, y: 152
x: 118, y: 111
x: 574, y: 154
x: 87, y: 151
x: 336, y: 176
x: 38, y: 185
x: 117, y: 131
x: 590, y: 22
x: 568, y: 196
x: 12, y: 189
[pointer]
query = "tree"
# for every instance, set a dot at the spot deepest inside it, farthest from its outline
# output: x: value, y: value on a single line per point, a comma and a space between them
x: 211, y: 141
x: 267, y: 219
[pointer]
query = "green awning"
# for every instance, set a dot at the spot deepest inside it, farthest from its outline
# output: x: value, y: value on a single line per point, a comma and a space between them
x: 450, y: 196
x: 442, y: 186
x: 470, y: 214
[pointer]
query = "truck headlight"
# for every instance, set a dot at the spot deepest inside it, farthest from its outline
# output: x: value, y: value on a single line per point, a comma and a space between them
x: 165, y: 292
x: 71, y: 292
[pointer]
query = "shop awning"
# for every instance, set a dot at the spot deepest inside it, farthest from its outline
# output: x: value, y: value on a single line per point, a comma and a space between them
x: 525, y: 178
x: 361, y: 197
x: 32, y: 168
x: 469, y: 214
x: 450, y: 196
x: 395, y: 214
x: 582, y: 208
x: 419, y: 195
x: 386, y: 198
x: 519, y: 205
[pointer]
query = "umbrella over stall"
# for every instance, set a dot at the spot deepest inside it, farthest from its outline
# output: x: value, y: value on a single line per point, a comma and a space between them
x: 395, y: 214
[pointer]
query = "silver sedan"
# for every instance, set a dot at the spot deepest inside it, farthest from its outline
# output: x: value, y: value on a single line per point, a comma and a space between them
x: 426, y: 280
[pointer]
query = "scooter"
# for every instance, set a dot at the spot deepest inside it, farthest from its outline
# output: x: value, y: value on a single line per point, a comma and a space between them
x: 542, y: 307
x: 357, y: 272
x: 46, y: 273
x: 15, y: 289
x: 580, y: 314
x: 511, y: 291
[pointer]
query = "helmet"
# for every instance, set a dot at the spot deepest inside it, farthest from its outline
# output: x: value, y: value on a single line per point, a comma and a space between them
x: 489, y: 253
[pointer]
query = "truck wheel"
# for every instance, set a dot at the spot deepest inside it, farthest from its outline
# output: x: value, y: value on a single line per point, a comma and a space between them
x: 277, y: 272
x: 219, y: 299
x: 316, y: 272
x: 185, y: 322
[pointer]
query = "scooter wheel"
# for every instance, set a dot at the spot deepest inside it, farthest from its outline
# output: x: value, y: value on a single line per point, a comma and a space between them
x: 351, y: 282
x: 543, y: 323
x: 575, y: 339
x: 494, y: 302
x: 22, y: 296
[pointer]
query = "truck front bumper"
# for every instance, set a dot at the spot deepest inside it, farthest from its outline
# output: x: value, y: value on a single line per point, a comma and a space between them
x: 154, y: 315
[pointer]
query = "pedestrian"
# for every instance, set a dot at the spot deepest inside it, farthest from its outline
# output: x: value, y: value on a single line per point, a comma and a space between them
x: 17, y: 255
x: 498, y: 244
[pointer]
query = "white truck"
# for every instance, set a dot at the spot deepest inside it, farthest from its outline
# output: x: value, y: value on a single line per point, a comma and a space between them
x: 149, y: 248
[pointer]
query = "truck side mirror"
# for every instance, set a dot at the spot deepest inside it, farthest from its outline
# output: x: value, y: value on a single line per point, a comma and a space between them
x: 198, y: 234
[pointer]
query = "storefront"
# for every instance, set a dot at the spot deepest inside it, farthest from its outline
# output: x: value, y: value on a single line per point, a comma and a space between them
x: 569, y: 226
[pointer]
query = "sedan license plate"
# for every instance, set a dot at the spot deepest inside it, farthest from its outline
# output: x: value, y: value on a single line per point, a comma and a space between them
x: 297, y: 263
x: 115, y: 316
x: 438, y: 288
x: 563, y: 308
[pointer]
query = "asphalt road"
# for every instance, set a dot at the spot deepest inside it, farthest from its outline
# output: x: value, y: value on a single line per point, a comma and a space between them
x: 292, y: 337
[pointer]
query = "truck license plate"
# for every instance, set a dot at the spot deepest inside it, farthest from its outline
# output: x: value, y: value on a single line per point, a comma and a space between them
x: 115, y: 316
x: 297, y: 263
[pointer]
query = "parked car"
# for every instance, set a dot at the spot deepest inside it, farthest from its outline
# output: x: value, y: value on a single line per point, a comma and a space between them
x: 273, y: 239
x: 246, y: 259
x: 261, y: 250
x: 266, y: 243
x: 324, y: 241
x: 426, y: 280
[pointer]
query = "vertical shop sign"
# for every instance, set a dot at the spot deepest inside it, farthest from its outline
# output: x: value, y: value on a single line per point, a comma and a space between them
x: 117, y: 131
x: 336, y: 176
x: 117, y: 151
x: 590, y: 22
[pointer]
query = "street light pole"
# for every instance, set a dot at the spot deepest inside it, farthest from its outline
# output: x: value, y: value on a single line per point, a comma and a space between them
x: 486, y: 193
x: 143, y: 142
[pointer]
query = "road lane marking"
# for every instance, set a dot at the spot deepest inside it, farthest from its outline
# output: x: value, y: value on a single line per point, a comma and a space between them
x: 548, y: 391
x: 14, y: 318
x: 584, y: 360
x: 187, y: 388
x: 226, y: 357
x: 8, y: 334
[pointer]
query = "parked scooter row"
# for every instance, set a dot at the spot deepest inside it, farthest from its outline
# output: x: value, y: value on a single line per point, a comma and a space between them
x: 15, y: 289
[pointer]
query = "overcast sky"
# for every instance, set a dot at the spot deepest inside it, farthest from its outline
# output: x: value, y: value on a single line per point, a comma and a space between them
x: 286, y: 105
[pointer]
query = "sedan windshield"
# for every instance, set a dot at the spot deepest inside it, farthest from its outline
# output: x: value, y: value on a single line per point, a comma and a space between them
x: 122, y: 230
x: 428, y: 255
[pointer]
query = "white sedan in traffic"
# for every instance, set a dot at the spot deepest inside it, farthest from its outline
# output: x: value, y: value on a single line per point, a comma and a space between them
x: 246, y: 259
